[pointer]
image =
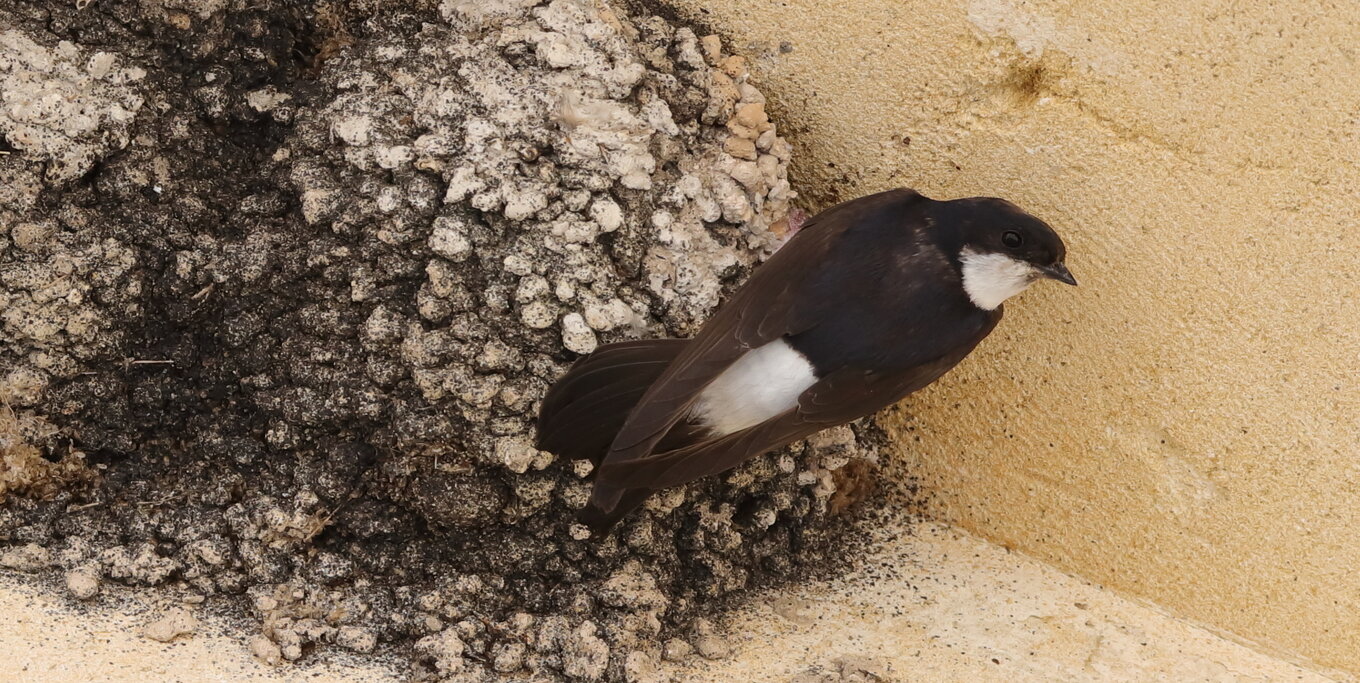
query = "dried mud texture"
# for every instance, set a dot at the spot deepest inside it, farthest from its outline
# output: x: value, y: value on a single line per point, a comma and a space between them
x: 282, y: 283
x: 847, y: 670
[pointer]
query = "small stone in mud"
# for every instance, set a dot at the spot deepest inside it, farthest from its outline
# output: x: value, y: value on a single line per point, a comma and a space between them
x: 577, y: 335
x: 26, y: 558
x: 442, y: 651
x: 173, y: 623
x: 712, y: 647
x: 584, y: 654
x: 676, y: 650
x: 356, y: 639
x: 82, y: 584
x: 266, y: 650
x: 639, y: 667
x: 509, y: 657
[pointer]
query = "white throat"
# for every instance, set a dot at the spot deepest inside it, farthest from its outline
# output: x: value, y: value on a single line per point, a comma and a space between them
x: 990, y: 279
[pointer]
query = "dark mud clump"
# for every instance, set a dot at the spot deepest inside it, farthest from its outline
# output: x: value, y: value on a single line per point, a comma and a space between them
x: 281, y: 284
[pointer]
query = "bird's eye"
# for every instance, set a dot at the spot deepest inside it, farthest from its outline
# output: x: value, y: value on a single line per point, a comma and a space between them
x: 1012, y: 239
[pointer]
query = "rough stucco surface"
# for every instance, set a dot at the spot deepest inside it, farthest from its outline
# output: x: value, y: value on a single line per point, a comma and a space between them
x: 1183, y: 426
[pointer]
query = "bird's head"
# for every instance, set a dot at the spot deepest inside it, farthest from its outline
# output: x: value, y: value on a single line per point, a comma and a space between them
x: 1000, y: 249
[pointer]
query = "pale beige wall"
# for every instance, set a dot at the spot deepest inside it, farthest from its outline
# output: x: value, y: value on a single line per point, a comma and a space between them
x: 1184, y: 426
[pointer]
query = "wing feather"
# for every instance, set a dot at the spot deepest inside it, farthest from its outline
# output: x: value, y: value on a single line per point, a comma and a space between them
x: 841, y: 397
x: 764, y: 309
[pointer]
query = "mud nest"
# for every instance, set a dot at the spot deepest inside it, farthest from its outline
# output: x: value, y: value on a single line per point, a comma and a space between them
x: 281, y: 284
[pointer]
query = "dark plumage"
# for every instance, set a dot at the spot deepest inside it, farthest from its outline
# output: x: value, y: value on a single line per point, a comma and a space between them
x: 872, y: 300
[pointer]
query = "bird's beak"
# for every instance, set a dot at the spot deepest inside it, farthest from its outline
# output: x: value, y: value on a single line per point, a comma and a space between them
x: 1059, y: 272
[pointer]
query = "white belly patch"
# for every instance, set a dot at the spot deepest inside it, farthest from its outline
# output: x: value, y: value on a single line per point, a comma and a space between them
x: 763, y: 383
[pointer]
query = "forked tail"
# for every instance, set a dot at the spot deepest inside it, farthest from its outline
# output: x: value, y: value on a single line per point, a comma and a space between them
x: 585, y: 410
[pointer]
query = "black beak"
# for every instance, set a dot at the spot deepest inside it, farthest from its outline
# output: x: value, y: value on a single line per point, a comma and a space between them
x: 1059, y: 272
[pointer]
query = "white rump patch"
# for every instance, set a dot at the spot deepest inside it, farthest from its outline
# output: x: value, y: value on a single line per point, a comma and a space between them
x: 990, y: 279
x: 762, y: 384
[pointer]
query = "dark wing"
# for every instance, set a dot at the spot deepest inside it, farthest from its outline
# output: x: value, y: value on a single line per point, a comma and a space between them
x: 768, y: 306
x: 842, y: 396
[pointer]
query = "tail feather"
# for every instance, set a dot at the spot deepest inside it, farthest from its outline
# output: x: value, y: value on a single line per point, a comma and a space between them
x: 608, y: 505
x: 587, y: 407
x: 585, y: 428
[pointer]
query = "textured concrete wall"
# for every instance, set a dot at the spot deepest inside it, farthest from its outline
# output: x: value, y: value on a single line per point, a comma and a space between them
x: 1184, y: 426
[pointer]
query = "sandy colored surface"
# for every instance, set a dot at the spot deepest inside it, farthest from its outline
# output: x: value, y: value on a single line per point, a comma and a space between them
x: 1185, y: 426
x: 933, y: 605
x: 45, y: 638
x: 941, y: 605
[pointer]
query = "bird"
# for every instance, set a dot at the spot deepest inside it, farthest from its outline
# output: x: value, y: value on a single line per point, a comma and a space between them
x: 871, y: 300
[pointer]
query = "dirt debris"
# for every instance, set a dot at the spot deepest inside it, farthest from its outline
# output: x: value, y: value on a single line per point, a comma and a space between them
x: 174, y: 623
x: 26, y: 558
x: 280, y: 301
x: 83, y: 584
x: 848, y: 669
